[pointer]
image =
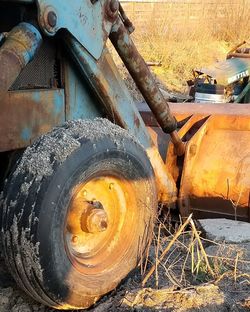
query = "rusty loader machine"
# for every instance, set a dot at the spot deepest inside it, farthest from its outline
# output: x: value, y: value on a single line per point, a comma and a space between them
x: 81, y: 169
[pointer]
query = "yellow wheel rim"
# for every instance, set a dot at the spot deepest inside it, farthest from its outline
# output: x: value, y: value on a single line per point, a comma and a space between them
x: 100, y: 223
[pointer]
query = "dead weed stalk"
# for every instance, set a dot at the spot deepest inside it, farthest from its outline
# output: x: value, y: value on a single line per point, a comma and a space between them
x: 183, y: 259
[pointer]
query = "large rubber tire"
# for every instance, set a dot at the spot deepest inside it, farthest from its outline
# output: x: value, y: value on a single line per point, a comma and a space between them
x: 50, y: 259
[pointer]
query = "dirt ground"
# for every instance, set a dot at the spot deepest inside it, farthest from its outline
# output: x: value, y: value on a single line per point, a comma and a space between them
x: 179, y: 283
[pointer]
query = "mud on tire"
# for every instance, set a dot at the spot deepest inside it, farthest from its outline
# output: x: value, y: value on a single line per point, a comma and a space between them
x: 78, y: 213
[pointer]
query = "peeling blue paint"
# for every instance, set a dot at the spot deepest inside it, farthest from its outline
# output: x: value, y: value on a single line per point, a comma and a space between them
x: 81, y: 104
x: 82, y: 19
x: 26, y: 134
x: 104, y: 77
x: 58, y: 104
x: 36, y: 97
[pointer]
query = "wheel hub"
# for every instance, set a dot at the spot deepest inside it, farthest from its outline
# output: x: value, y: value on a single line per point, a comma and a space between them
x: 94, y: 218
x: 86, y: 216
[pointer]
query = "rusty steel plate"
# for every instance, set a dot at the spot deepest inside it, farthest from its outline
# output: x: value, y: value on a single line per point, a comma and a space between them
x: 25, y: 115
x: 182, y: 111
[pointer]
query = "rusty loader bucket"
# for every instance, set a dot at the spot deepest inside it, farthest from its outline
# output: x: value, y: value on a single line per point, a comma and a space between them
x: 213, y: 177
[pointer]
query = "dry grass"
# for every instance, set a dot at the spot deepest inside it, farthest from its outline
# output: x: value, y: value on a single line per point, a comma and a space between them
x: 234, y: 27
x: 188, y: 272
x: 182, y: 47
x: 182, y: 255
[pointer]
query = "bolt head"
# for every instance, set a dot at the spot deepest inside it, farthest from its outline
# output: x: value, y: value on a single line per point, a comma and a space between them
x: 97, y: 221
x: 114, y: 6
x: 74, y: 239
x: 52, y: 19
x: 111, y: 186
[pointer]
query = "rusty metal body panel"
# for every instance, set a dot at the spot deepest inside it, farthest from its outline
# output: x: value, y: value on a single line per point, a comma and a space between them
x: 25, y: 115
x: 80, y: 103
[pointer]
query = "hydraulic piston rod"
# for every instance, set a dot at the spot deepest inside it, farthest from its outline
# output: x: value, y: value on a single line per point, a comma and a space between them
x: 145, y: 82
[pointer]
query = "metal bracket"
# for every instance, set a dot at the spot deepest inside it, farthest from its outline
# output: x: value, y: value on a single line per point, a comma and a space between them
x: 90, y: 23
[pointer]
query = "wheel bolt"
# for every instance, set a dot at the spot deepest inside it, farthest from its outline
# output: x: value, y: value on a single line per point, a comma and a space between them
x: 111, y: 186
x: 95, y: 221
x: 74, y: 239
x: 84, y: 193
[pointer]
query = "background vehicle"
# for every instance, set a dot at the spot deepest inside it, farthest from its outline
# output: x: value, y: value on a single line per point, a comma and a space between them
x: 226, y: 81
